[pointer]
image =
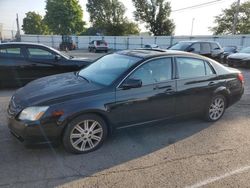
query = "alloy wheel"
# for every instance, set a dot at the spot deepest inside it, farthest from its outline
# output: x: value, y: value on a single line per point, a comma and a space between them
x: 86, y: 135
x: 217, y: 108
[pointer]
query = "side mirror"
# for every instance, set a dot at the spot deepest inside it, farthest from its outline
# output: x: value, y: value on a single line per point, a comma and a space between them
x: 132, y: 83
x: 191, y: 50
x: 57, y: 57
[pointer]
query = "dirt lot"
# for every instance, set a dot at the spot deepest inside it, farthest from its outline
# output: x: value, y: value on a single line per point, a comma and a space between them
x: 188, y: 153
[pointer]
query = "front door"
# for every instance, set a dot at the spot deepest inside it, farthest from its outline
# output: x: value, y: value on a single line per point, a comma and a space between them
x: 155, y: 100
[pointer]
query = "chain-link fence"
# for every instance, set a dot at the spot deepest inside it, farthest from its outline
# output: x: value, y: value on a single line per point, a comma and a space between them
x: 132, y: 42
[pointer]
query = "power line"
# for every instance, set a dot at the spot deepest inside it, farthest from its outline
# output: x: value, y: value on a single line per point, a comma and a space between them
x: 199, y: 5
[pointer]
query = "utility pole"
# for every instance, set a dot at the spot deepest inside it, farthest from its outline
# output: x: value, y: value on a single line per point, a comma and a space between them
x: 18, y: 28
x: 236, y: 17
x: 192, y: 27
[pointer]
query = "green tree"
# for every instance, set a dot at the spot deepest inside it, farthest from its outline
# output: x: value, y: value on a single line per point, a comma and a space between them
x: 224, y: 21
x: 64, y: 17
x: 33, y: 24
x: 108, y: 17
x: 155, y: 13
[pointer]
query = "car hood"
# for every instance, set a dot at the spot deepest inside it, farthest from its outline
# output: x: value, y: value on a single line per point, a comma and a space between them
x: 239, y: 56
x: 54, y: 89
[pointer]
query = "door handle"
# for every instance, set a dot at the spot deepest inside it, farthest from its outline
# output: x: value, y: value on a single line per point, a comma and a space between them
x: 211, y: 83
x: 169, y: 91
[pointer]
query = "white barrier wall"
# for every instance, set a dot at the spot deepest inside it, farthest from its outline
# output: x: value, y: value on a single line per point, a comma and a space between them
x: 132, y: 42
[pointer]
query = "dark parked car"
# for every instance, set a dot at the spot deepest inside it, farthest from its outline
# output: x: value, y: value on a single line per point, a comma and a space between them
x: 98, y: 45
x: 22, y: 62
x: 120, y: 90
x: 240, y: 59
x: 209, y: 49
x: 228, y: 50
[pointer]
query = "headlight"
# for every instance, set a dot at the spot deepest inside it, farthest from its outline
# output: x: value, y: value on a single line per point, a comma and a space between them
x: 33, y: 113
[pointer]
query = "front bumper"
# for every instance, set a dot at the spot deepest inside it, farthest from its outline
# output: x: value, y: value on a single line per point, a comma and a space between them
x: 35, y: 132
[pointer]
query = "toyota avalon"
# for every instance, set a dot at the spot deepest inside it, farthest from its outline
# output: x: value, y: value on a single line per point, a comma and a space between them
x: 123, y: 89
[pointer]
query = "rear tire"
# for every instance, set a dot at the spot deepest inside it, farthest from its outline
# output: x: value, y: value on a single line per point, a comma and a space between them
x: 85, y: 134
x: 216, y: 108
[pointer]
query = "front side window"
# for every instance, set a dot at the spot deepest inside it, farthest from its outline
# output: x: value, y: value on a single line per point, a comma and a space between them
x: 215, y: 46
x: 108, y: 68
x: 155, y: 71
x: 196, y: 47
x: 38, y: 53
x: 190, y: 67
x: 11, y: 52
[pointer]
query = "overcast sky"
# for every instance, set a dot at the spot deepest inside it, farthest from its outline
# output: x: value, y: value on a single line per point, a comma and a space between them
x: 203, y: 17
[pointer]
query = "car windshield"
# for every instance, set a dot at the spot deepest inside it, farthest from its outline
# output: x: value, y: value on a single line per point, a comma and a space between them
x: 229, y: 49
x: 62, y: 53
x: 108, y: 68
x: 245, y: 50
x: 180, y: 46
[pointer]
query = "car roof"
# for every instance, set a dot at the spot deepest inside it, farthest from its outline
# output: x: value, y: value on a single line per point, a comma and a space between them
x: 149, y: 53
x: 194, y: 41
x: 22, y: 43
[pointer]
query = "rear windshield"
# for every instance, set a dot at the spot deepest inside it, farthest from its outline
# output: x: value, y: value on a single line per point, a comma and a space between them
x: 180, y: 46
x: 99, y: 42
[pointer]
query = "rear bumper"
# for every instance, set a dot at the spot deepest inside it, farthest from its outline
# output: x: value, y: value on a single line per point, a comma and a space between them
x: 235, y: 97
x: 102, y: 48
x: 33, y: 133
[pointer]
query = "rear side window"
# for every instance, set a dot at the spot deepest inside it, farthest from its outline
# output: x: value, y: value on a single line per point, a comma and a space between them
x: 11, y: 52
x: 38, y: 53
x: 190, y: 67
x: 209, y: 69
x: 205, y: 48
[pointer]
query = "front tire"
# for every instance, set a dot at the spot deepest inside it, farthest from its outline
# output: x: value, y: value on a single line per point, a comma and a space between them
x: 216, y: 108
x: 85, y: 134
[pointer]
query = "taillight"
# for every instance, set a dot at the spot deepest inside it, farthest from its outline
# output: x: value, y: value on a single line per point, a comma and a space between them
x: 241, y: 78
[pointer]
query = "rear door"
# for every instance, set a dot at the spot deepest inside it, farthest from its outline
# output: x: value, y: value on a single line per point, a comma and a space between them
x: 195, y: 84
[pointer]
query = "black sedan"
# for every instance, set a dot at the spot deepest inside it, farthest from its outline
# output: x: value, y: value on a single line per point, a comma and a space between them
x: 228, y: 50
x: 124, y: 89
x: 22, y: 62
x: 240, y: 59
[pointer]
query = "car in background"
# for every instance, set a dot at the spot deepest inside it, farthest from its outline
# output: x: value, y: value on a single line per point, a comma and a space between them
x: 98, y: 45
x: 22, y: 62
x: 242, y: 58
x: 228, y: 50
x: 123, y: 89
x: 151, y: 46
x: 209, y: 49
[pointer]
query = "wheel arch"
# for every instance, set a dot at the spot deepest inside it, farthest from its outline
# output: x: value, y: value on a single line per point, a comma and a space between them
x: 225, y: 92
x: 95, y: 112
